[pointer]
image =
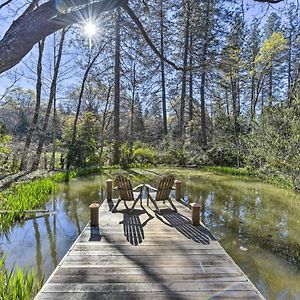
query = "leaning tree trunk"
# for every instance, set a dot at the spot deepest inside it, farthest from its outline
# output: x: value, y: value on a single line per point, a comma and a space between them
x: 33, y: 125
x: 35, y: 24
x: 116, y: 156
x: 39, y: 150
x: 85, y: 77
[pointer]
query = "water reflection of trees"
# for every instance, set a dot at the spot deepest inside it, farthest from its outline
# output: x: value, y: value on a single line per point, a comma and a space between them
x: 38, y: 248
x: 251, y: 215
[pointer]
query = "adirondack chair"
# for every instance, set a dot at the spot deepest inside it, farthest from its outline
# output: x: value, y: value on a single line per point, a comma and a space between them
x: 126, y: 192
x: 162, y: 193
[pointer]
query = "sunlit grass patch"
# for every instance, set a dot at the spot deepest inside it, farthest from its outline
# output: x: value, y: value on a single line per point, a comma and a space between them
x: 21, y: 284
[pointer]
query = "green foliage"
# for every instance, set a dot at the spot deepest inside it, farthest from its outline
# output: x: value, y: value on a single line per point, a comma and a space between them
x: 230, y: 171
x: 140, y: 154
x: 85, y: 151
x: 28, y: 196
x: 5, y: 139
x: 171, y: 152
x: 17, y: 285
x: 125, y: 155
x: 22, y: 197
x: 143, y: 153
x: 273, y: 144
x: 272, y: 49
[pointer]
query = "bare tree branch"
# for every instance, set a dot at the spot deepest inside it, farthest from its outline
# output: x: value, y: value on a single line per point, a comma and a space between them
x: 269, y: 1
x: 140, y: 26
x: 35, y: 25
x: 5, y: 3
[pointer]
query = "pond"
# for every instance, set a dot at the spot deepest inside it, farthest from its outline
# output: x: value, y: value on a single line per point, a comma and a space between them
x: 258, y: 225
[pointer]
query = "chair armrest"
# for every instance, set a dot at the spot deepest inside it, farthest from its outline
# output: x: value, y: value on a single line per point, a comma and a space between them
x: 149, y: 187
x: 140, y: 186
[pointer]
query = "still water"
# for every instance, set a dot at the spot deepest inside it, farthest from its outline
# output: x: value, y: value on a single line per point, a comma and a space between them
x: 258, y: 225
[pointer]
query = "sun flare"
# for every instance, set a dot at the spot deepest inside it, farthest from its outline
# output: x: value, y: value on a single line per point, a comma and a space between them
x: 90, y: 29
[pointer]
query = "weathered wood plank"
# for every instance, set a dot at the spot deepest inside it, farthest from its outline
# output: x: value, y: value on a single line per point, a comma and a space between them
x: 147, y: 287
x: 237, y: 295
x: 146, y: 256
x: 128, y: 278
x: 169, y: 270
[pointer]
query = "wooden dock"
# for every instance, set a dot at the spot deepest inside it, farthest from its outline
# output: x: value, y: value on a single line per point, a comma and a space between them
x: 147, y: 256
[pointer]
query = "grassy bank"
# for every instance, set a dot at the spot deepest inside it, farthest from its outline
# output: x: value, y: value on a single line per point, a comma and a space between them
x: 279, y: 180
x: 28, y: 196
x: 21, y: 284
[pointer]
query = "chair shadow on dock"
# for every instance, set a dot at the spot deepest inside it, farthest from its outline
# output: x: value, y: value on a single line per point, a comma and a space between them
x: 198, y: 234
x: 132, y: 225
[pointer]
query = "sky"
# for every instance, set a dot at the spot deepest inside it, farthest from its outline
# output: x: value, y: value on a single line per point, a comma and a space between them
x: 252, y: 9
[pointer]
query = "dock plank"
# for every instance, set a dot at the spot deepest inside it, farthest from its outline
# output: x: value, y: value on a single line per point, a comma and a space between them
x: 144, y: 255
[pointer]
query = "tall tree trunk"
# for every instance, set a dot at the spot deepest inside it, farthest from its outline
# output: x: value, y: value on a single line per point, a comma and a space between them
x: 54, y: 133
x: 271, y: 87
x: 163, y: 77
x: 39, y: 150
x: 289, y: 64
x: 132, y: 109
x: 104, y: 124
x: 203, y: 74
x: 203, y: 109
x: 33, y: 125
x: 252, y: 104
x: 234, y: 95
x: 191, y: 96
x: 184, y: 72
x: 116, y: 156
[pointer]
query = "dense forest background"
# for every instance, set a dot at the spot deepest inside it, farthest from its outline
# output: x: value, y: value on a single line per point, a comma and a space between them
x: 227, y: 94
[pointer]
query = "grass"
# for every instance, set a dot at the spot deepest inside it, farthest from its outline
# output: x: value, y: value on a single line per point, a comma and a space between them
x: 31, y: 195
x: 21, y: 284
x: 28, y: 196
x: 278, y: 180
x: 229, y: 171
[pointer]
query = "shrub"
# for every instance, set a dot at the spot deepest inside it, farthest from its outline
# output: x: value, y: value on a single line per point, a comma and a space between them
x: 143, y: 154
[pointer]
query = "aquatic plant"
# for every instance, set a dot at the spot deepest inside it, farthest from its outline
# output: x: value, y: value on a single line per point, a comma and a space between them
x: 21, y: 284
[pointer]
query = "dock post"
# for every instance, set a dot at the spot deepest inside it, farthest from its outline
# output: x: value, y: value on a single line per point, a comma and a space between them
x: 178, y: 192
x: 94, y: 214
x: 109, y: 188
x: 195, y: 214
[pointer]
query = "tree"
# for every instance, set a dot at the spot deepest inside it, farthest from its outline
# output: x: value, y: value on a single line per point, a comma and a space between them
x: 33, y: 126
x: 117, y: 87
x: 50, y: 102
x: 270, y: 56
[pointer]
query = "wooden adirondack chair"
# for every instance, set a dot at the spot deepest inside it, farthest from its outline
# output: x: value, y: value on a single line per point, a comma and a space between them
x: 127, y: 193
x: 162, y: 193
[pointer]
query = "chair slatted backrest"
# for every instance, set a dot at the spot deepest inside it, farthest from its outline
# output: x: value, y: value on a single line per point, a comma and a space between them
x: 124, y: 188
x: 164, y: 188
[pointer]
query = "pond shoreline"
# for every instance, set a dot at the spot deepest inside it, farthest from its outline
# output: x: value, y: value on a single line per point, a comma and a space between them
x: 252, y: 220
